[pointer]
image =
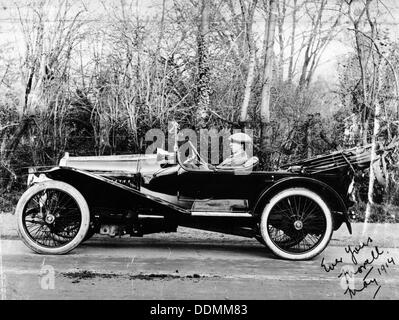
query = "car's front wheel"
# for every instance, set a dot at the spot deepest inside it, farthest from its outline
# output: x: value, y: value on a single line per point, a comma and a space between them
x: 53, y: 217
x: 296, y: 224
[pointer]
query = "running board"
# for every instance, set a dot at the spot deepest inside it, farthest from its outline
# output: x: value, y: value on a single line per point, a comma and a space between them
x: 221, y: 214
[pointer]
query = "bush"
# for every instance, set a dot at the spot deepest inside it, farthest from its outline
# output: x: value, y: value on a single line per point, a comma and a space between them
x: 8, y: 200
x: 379, y: 213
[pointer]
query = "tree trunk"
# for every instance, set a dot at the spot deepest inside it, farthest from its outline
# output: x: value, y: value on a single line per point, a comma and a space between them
x: 281, y: 18
x: 292, y: 46
x: 374, y: 141
x: 21, y: 131
x: 203, y: 67
x: 361, y: 59
x: 248, y: 16
x: 267, y: 78
x: 309, y: 126
x: 305, y: 66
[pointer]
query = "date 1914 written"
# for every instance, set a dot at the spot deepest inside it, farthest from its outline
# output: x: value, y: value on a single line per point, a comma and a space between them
x: 364, y: 267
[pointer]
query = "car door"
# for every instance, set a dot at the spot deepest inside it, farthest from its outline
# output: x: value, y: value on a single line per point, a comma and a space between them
x: 220, y: 190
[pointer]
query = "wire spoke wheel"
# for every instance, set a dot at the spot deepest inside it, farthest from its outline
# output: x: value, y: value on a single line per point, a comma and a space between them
x: 53, y: 217
x: 296, y: 224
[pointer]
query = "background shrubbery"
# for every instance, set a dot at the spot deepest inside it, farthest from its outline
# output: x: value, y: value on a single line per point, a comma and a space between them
x: 95, y: 86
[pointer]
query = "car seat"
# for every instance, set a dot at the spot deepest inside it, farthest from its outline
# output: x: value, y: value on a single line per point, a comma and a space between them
x: 251, y: 162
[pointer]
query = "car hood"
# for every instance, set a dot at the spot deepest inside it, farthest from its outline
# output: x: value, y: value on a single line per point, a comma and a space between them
x: 143, y: 163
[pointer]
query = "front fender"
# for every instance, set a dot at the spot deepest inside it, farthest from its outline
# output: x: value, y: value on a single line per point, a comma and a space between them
x: 105, y: 192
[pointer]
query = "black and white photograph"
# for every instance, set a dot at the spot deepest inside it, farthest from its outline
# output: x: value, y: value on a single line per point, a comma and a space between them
x: 216, y: 151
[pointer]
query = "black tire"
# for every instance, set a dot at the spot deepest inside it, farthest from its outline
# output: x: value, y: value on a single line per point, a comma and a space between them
x: 53, y: 217
x: 90, y: 233
x: 296, y: 224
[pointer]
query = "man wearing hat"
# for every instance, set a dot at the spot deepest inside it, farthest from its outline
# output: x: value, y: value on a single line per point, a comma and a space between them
x: 239, y: 155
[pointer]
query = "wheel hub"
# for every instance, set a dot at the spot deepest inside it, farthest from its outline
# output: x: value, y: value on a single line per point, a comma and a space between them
x: 50, y: 218
x: 298, y: 225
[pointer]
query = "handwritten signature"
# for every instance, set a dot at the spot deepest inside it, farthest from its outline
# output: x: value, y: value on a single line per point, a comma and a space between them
x: 348, y: 273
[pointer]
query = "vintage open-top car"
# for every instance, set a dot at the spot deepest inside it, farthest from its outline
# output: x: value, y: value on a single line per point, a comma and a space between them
x: 293, y: 211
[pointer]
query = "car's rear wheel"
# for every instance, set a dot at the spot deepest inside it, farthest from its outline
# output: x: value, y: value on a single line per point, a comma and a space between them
x: 53, y: 217
x: 296, y: 224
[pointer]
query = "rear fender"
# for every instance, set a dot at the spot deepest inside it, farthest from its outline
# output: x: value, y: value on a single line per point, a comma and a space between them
x: 328, y: 194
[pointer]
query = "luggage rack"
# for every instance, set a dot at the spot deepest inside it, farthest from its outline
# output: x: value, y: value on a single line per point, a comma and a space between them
x: 354, y: 158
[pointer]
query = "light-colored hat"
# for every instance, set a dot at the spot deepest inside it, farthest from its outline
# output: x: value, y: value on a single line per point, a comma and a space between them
x: 240, y: 137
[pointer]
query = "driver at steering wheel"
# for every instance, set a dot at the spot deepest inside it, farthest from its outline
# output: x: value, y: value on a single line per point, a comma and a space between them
x: 239, y: 156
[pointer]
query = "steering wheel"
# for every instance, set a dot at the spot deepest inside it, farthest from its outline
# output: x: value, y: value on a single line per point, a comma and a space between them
x: 195, y: 160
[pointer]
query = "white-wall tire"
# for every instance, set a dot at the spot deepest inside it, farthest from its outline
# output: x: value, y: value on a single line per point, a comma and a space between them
x: 37, y: 196
x: 275, y: 213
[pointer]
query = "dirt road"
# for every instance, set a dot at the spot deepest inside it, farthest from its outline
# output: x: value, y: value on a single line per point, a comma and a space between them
x: 188, y: 266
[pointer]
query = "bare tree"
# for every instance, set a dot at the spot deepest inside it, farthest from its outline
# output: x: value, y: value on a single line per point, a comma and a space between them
x: 373, y: 67
x: 282, y: 10
x: 292, y: 41
x: 320, y: 35
x: 271, y: 7
x: 361, y: 56
x: 203, y: 65
x: 45, y: 72
x: 248, y: 17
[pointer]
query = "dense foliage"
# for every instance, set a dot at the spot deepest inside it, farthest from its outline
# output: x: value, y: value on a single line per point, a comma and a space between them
x: 102, y: 84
